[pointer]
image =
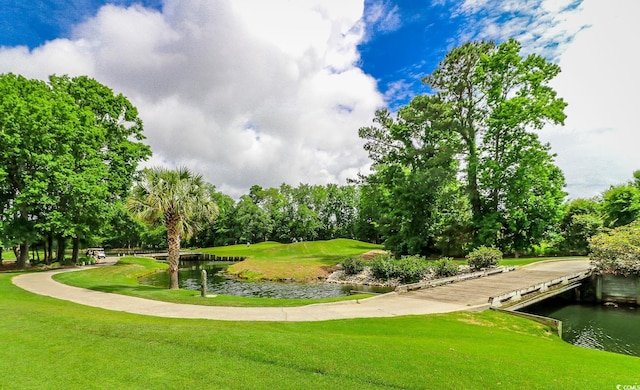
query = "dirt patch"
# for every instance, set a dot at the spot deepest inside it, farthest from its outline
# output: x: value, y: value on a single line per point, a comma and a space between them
x: 371, y: 254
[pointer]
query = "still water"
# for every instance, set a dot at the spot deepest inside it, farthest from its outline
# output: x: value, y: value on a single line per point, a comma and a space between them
x: 607, y: 328
x: 218, y: 283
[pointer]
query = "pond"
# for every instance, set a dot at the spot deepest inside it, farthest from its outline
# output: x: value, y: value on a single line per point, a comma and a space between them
x: 189, y: 276
x: 595, y: 325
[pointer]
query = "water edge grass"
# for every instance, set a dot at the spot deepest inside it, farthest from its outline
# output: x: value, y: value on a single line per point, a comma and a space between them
x: 122, y: 278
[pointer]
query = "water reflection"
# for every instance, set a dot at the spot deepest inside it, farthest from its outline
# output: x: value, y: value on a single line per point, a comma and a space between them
x: 217, y: 283
x: 596, y: 326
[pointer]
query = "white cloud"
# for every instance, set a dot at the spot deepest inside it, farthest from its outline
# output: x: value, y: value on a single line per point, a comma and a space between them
x: 382, y: 17
x: 598, y: 146
x: 593, y: 41
x: 246, y: 92
x: 544, y: 27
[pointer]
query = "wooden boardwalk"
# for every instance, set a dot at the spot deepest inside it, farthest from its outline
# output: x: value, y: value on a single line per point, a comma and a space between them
x: 478, y: 292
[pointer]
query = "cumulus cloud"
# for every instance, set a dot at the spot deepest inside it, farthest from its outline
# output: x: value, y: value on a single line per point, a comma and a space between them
x: 246, y: 92
x: 545, y: 27
x: 598, y: 146
x: 593, y: 43
x: 382, y: 17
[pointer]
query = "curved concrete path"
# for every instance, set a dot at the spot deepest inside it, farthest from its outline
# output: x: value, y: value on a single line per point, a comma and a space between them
x: 387, y: 305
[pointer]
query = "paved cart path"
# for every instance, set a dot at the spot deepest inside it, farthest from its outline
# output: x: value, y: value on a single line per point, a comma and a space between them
x: 466, y: 295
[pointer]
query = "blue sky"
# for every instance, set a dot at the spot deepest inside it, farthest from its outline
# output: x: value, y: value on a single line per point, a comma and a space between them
x: 254, y: 92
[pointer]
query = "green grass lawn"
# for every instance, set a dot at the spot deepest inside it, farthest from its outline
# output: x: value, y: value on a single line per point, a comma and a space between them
x: 529, y: 260
x: 311, y: 260
x: 54, y: 344
x: 302, y: 261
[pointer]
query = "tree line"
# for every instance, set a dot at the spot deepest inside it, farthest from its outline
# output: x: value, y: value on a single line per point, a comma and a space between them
x: 457, y: 168
x: 321, y: 212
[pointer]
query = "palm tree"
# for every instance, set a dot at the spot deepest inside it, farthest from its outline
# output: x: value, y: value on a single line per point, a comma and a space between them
x: 180, y: 200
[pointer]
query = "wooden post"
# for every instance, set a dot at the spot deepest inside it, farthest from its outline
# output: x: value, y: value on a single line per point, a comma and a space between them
x: 203, y: 287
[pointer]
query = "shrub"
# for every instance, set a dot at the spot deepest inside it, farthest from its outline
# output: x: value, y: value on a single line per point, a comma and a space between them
x: 412, y: 269
x: 617, y: 252
x: 384, y: 267
x: 352, y: 266
x: 86, y: 260
x: 445, y: 267
x: 484, y: 257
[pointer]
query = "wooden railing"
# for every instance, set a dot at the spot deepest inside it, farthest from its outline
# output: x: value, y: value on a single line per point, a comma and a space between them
x: 538, y: 288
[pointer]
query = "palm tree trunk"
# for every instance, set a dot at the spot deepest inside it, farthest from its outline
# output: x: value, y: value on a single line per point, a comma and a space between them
x: 173, y: 243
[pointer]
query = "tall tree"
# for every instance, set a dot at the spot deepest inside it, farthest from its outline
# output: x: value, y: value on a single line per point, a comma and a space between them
x: 68, y: 150
x: 493, y: 98
x: 621, y: 205
x: 28, y: 142
x: 253, y: 224
x: 414, y: 170
x: 103, y: 149
x: 178, y: 199
x: 581, y: 220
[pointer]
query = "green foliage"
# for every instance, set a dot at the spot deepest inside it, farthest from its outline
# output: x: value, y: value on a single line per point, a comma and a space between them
x: 486, y: 99
x: 285, y: 214
x: 412, y: 269
x: 413, y: 186
x: 384, y: 267
x: 407, y: 269
x: 445, y: 267
x: 352, y: 265
x: 495, y: 96
x: 86, y: 260
x: 484, y: 257
x: 70, y: 148
x: 581, y: 220
x: 618, y: 251
x: 621, y: 205
x: 636, y: 179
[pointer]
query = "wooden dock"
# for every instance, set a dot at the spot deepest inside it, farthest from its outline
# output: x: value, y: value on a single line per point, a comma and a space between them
x: 508, y: 287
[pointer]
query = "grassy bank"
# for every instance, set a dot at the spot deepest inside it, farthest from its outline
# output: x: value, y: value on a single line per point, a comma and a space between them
x: 48, y: 343
x: 305, y: 261
x: 301, y: 261
x: 122, y: 278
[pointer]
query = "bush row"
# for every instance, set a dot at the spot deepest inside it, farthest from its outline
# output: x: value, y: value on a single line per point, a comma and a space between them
x: 410, y: 269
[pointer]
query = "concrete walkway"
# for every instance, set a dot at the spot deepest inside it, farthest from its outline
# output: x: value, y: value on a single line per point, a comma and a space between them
x: 387, y: 305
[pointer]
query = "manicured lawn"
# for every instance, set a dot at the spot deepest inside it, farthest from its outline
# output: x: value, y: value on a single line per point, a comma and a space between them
x: 298, y: 261
x: 8, y: 255
x: 530, y: 260
x: 527, y: 260
x: 53, y: 344
x: 122, y: 278
x: 310, y: 260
